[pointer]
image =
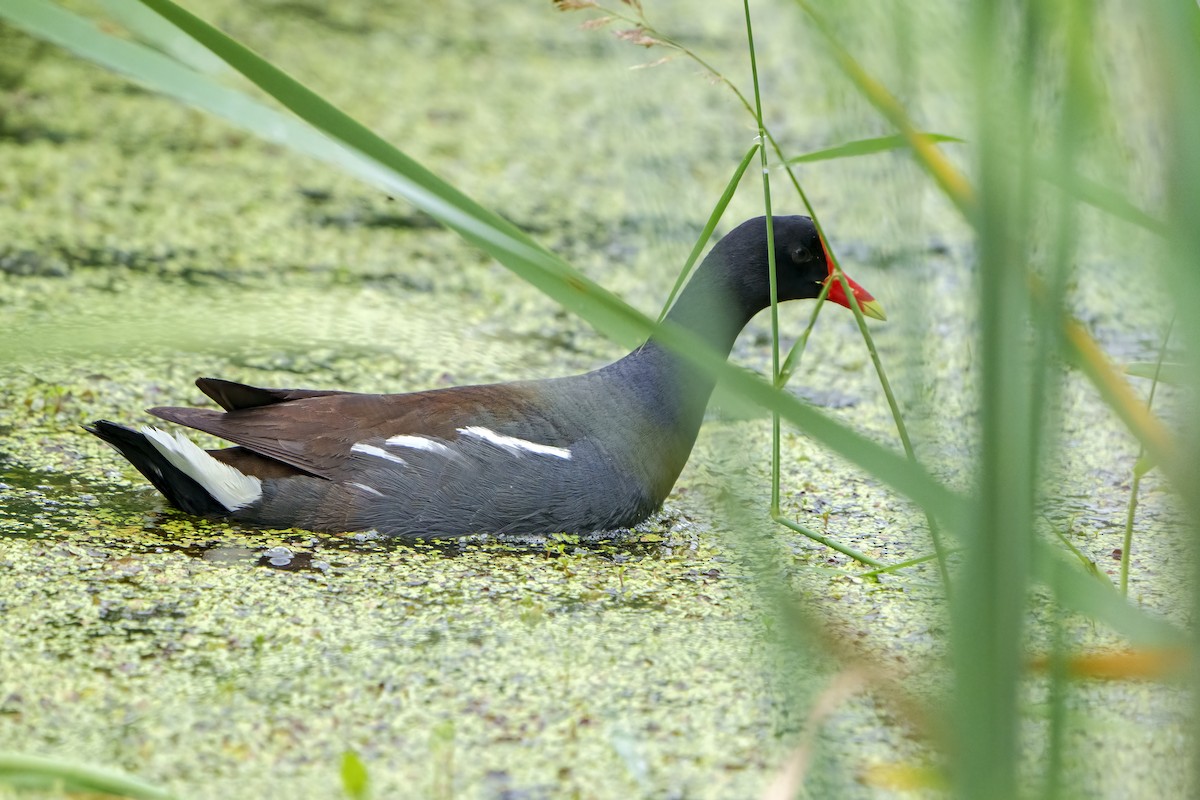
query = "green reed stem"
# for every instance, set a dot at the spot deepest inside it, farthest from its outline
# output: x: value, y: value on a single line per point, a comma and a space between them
x: 771, y: 266
x: 53, y: 775
x: 912, y: 562
x: 1138, y: 471
x: 792, y: 362
x: 832, y: 544
x: 1057, y: 703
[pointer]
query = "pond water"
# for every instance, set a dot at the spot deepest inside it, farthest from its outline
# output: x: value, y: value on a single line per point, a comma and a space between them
x: 146, y: 245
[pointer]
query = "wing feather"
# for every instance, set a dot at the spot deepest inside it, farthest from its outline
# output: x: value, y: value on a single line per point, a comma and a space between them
x: 314, y: 431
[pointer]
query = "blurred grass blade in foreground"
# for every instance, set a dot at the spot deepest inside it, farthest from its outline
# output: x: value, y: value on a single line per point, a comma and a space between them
x: 55, y: 775
x: 866, y: 147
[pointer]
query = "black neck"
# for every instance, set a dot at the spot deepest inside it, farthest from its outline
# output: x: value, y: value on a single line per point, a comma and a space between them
x: 671, y: 391
x: 711, y: 310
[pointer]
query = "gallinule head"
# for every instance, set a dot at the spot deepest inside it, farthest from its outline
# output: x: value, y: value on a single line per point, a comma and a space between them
x: 577, y: 454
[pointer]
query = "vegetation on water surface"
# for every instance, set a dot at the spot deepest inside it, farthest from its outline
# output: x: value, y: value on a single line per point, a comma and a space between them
x: 1042, y: 138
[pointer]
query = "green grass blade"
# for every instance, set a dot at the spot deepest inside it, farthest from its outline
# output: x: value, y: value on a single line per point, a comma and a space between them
x: 771, y: 265
x: 155, y: 31
x: 52, y: 774
x: 1175, y: 28
x: 866, y: 147
x: 1141, y: 467
x: 1172, y: 374
x: 709, y: 226
x: 832, y: 544
x: 1082, y: 593
x: 1057, y: 711
x: 988, y: 611
x: 1097, y: 195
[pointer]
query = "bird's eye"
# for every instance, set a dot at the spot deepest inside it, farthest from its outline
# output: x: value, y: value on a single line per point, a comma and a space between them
x: 801, y: 255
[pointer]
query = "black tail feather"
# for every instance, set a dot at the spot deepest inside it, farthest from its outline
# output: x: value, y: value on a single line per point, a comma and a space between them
x: 232, y: 396
x: 180, y: 489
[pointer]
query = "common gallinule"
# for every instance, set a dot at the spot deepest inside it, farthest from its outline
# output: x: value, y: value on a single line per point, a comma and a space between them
x: 576, y: 454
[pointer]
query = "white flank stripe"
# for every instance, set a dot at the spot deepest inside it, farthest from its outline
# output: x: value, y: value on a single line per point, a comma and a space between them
x: 418, y: 443
x: 367, y: 489
x: 378, y: 452
x: 228, y: 486
x: 514, y: 445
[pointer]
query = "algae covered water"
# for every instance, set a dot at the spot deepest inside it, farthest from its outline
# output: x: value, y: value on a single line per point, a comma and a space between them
x: 146, y: 245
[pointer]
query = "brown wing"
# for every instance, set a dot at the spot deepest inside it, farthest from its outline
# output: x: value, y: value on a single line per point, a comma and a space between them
x: 314, y: 433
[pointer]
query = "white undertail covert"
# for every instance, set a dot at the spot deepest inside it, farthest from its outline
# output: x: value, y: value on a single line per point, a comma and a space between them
x: 228, y: 486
